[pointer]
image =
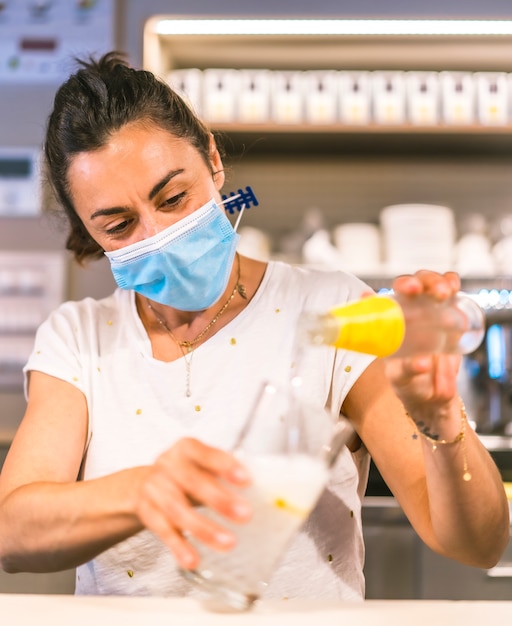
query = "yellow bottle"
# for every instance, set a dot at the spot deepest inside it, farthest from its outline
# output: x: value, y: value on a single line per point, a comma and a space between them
x: 398, y: 325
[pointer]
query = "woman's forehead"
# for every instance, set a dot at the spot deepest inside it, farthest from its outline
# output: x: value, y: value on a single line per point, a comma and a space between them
x: 137, y: 147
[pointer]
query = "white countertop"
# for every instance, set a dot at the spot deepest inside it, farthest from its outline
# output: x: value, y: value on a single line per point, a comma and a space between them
x: 61, y: 610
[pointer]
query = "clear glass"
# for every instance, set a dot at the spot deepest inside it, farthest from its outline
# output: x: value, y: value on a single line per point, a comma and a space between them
x: 398, y: 325
x: 288, y: 446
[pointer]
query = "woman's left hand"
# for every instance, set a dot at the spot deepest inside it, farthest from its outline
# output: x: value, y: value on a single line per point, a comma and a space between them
x: 426, y: 383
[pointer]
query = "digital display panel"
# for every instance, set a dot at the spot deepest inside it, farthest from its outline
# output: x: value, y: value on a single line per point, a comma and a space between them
x: 15, y: 168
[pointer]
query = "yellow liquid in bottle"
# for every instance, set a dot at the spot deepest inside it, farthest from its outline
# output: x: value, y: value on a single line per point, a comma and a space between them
x: 373, y: 325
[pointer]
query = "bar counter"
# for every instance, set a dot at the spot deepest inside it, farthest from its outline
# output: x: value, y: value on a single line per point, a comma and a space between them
x: 68, y: 610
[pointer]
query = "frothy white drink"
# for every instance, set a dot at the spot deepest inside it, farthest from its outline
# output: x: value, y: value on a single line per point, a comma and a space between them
x: 284, y: 490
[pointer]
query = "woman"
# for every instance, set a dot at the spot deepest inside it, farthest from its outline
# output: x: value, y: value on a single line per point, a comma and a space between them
x: 133, y: 400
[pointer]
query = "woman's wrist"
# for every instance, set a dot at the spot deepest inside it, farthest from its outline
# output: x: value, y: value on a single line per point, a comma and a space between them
x: 438, y: 422
x: 431, y: 435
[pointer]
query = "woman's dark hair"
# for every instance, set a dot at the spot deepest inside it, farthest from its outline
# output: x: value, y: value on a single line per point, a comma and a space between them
x: 95, y: 102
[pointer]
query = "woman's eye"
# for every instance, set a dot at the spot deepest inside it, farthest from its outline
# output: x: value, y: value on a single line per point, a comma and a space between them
x: 175, y: 200
x: 118, y: 228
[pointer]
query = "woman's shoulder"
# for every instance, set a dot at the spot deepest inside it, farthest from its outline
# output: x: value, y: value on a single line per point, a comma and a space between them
x: 329, y: 286
x: 88, y: 309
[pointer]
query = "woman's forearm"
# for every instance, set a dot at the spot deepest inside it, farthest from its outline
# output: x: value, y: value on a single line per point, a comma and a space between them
x: 466, y: 520
x: 464, y: 486
x: 47, y: 526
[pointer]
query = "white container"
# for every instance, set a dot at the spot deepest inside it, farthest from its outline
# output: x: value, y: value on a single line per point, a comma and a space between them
x: 422, y: 98
x: 254, y: 243
x: 220, y: 94
x: 509, y: 91
x: 360, y: 247
x: 388, y: 94
x: 502, y: 255
x: 492, y: 98
x: 319, y: 251
x: 457, y: 98
x: 417, y: 236
x: 321, y: 96
x: 188, y: 84
x: 473, y: 256
x: 254, y: 96
x: 287, y: 97
x: 354, y: 98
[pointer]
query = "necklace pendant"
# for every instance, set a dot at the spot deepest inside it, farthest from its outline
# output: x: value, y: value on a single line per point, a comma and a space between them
x: 187, y: 347
x: 241, y: 290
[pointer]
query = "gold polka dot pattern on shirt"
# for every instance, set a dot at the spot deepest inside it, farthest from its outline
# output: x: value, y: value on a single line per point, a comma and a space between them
x: 138, y: 411
x: 109, y: 322
x: 130, y: 573
x: 197, y: 408
x: 348, y: 368
x: 232, y: 341
x: 75, y: 379
x: 278, y: 310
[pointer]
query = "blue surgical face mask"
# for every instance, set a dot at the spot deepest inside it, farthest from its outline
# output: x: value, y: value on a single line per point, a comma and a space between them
x: 186, y: 266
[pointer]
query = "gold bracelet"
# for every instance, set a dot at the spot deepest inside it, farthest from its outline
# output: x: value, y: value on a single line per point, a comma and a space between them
x: 423, y: 430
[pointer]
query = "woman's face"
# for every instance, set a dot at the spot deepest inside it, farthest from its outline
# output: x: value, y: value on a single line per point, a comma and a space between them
x: 142, y: 181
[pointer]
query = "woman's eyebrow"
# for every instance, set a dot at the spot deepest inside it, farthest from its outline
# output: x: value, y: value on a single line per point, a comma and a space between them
x: 111, y: 211
x: 161, y: 184
x: 158, y: 187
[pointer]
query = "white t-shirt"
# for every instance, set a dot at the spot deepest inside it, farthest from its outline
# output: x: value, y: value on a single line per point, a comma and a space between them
x: 138, y: 408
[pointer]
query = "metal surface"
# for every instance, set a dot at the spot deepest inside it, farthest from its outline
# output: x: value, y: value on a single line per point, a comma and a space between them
x: 400, y: 566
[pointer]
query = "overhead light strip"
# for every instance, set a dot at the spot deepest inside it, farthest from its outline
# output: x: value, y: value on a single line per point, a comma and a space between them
x: 331, y: 27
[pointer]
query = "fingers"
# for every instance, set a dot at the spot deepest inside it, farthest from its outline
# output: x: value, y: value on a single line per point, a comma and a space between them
x: 205, y: 474
x: 154, y: 518
x: 424, y: 379
x: 218, y: 462
x: 425, y: 281
x: 191, y: 474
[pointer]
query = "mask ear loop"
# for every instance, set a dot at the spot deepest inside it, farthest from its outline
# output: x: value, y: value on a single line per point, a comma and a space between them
x: 240, y: 213
x: 239, y: 216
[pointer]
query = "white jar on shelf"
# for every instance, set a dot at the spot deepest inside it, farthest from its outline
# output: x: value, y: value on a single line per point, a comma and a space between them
x: 187, y: 83
x: 359, y: 244
x: 220, y: 93
x: 422, y: 98
x: 457, y: 98
x: 388, y: 95
x: 321, y: 101
x: 354, y: 98
x: 492, y: 98
x: 287, y: 97
x: 254, y: 96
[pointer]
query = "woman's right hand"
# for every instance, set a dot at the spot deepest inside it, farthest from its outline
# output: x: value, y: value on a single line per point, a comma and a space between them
x: 188, y: 475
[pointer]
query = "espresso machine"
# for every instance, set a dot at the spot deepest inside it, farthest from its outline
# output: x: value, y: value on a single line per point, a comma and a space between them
x: 485, y: 379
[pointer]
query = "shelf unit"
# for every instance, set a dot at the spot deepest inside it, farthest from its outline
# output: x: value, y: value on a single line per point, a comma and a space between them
x: 352, y: 172
x: 164, y: 53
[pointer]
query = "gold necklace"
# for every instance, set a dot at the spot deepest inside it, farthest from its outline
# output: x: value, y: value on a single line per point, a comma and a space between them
x: 187, y: 347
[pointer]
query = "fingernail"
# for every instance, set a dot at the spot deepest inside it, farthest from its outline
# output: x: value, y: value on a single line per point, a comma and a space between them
x: 225, y: 539
x: 242, y: 510
x: 187, y: 560
x: 240, y: 474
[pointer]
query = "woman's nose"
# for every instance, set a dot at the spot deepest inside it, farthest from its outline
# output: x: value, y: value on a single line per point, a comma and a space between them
x: 150, y: 226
